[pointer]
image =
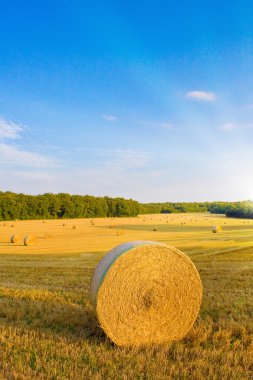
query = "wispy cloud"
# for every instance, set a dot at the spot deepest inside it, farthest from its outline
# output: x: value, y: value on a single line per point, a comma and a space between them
x: 12, y: 155
x: 123, y: 158
x: 110, y: 117
x: 9, y: 130
x: 201, y: 96
x: 227, y: 127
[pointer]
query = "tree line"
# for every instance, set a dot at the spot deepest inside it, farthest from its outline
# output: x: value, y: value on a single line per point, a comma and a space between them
x: 52, y: 206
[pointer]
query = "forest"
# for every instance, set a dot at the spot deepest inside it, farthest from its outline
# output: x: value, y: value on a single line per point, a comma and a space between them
x: 52, y: 206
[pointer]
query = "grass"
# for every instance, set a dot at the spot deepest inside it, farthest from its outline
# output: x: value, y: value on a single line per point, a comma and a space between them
x: 48, y: 329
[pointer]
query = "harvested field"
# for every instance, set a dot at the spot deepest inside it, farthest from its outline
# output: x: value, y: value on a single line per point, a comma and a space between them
x: 108, y: 232
x: 48, y: 328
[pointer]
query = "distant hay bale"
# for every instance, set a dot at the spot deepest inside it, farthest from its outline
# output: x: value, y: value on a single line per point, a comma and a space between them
x: 155, y: 228
x: 15, y: 239
x: 145, y: 293
x: 120, y: 232
x: 12, y: 225
x: 63, y: 224
x: 48, y: 235
x: 73, y: 227
x: 216, y: 229
x: 30, y: 240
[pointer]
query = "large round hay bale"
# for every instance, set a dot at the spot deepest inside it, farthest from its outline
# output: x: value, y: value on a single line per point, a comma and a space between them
x: 216, y: 229
x: 145, y: 292
x: 30, y: 240
x: 15, y: 239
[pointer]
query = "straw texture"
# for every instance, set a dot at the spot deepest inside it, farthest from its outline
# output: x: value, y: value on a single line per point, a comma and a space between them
x: 145, y: 292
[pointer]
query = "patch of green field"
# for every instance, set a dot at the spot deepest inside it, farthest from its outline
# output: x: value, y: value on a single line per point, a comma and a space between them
x: 184, y: 228
x: 48, y: 329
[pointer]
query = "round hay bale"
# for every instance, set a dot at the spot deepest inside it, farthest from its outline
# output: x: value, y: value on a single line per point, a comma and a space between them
x: 48, y: 235
x: 216, y: 229
x: 15, y: 239
x: 145, y: 292
x: 120, y: 232
x: 30, y: 240
x: 73, y: 227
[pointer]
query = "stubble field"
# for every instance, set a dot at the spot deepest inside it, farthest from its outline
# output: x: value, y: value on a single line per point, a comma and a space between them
x: 49, y: 331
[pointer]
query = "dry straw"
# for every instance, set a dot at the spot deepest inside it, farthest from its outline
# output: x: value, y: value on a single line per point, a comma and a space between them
x: 216, y: 229
x: 15, y: 239
x: 145, y: 293
x: 30, y: 240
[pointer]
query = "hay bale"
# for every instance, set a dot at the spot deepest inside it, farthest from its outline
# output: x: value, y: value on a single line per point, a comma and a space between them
x: 48, y: 235
x: 30, y: 240
x: 145, y: 293
x: 15, y: 239
x: 216, y: 229
x: 120, y: 232
x: 155, y: 228
x: 73, y: 227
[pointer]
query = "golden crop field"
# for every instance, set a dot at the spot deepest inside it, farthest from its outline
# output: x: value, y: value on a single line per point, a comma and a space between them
x: 48, y: 329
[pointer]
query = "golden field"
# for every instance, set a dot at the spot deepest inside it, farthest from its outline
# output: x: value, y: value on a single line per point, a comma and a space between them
x: 189, y: 232
x: 48, y: 329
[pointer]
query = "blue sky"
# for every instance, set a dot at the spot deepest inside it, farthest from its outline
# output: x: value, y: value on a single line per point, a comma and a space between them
x: 148, y: 100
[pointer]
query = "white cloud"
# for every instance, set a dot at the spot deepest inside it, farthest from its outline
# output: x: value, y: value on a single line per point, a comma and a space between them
x: 9, y: 130
x: 202, y: 96
x: 12, y: 155
x: 228, y: 127
x: 110, y: 117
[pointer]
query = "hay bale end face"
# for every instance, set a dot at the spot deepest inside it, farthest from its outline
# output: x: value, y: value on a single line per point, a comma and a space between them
x: 216, y: 229
x: 30, y: 240
x: 145, y: 293
x: 15, y: 239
